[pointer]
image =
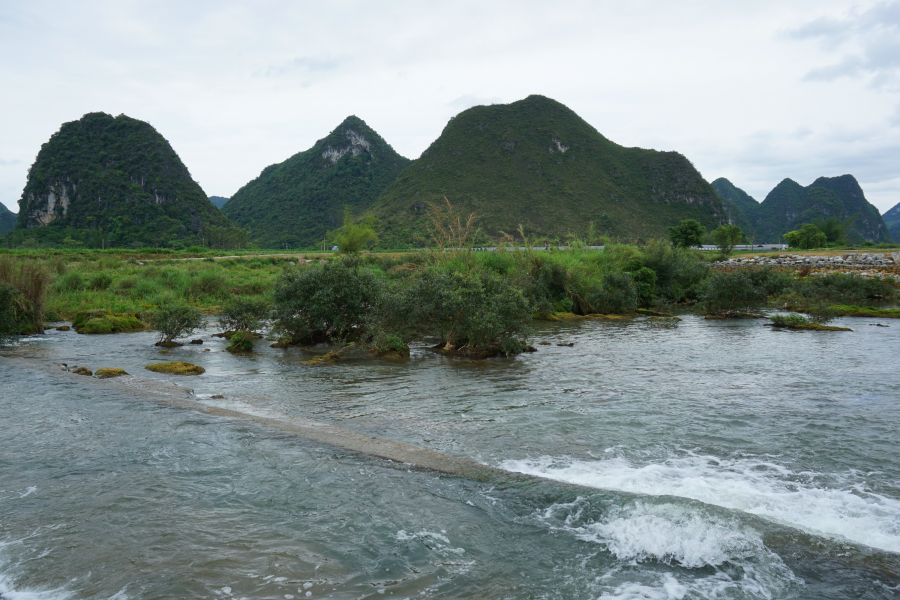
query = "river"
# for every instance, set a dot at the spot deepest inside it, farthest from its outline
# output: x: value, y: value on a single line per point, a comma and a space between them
x: 714, y: 459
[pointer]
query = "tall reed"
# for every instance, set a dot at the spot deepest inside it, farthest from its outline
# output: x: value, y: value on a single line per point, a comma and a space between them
x: 31, y: 279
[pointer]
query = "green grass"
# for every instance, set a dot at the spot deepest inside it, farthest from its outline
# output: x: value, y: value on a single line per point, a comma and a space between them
x: 118, y: 285
x: 866, y: 311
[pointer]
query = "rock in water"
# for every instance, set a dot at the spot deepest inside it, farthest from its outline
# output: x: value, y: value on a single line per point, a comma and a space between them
x: 176, y: 368
x: 108, y: 373
x: 82, y: 371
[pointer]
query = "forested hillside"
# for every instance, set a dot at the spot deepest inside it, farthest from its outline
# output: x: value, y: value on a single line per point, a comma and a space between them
x: 790, y: 205
x: 106, y: 180
x: 298, y: 201
x: 537, y: 164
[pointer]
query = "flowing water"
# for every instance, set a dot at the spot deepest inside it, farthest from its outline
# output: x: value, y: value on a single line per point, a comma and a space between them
x: 715, y: 459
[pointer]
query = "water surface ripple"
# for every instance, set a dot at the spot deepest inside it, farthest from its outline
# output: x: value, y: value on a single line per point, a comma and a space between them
x: 717, y: 459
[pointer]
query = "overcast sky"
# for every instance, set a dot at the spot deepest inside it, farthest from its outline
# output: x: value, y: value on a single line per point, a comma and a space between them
x: 752, y: 91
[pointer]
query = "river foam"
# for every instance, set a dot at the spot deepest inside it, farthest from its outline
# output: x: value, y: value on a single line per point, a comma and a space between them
x: 711, y: 556
x: 751, y: 485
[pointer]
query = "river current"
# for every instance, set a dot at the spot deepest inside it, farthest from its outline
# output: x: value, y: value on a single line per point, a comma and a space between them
x: 715, y: 459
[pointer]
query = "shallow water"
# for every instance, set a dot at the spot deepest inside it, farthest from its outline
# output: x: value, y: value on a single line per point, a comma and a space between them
x: 716, y: 459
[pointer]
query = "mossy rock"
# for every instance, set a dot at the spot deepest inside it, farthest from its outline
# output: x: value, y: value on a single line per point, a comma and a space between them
x: 104, y: 321
x: 168, y: 344
x: 653, y: 313
x: 176, y: 368
x: 401, y: 354
x: 329, y: 358
x: 108, y: 373
x: 866, y: 311
x: 63, y: 328
x: 82, y: 371
x: 811, y: 326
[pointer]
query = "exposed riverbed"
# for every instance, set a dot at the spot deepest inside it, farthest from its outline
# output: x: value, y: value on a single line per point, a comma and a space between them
x: 715, y: 459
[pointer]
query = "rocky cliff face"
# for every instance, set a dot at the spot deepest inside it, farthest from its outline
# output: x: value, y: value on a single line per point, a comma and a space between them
x: 116, y: 176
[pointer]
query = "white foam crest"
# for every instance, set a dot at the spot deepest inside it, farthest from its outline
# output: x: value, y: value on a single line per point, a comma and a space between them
x: 670, y: 533
x: 9, y: 592
x: 679, y: 536
x: 754, y: 486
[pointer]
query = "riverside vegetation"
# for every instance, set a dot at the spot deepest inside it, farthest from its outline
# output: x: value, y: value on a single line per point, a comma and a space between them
x: 466, y: 302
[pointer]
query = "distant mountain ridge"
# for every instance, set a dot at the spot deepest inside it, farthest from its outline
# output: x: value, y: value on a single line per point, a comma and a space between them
x: 738, y: 203
x: 218, y: 201
x: 298, y: 201
x: 8, y: 219
x: 892, y: 220
x: 536, y: 163
x: 789, y: 205
x: 113, y: 178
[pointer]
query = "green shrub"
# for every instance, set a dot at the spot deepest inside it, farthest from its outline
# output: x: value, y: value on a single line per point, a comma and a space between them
x: 617, y: 295
x: 207, y: 283
x: 10, y: 313
x: 843, y: 288
x: 143, y: 289
x: 731, y: 293
x: 689, y: 233
x: 175, y: 320
x: 789, y: 320
x: 70, y: 282
x: 477, y: 313
x: 240, y: 342
x: 100, y: 281
x: 104, y: 321
x: 245, y: 313
x: 807, y: 237
x: 323, y: 301
x: 679, y: 271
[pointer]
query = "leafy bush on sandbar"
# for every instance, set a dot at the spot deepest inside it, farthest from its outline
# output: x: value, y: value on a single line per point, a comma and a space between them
x: 731, y: 293
x: 479, y: 313
x: 323, y: 302
x: 175, y: 320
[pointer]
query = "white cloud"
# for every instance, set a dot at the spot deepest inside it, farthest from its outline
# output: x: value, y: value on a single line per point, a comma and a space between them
x: 237, y: 86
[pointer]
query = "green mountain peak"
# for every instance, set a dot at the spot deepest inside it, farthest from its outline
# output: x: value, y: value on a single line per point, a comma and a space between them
x: 536, y: 163
x: 298, y: 201
x: 114, y: 178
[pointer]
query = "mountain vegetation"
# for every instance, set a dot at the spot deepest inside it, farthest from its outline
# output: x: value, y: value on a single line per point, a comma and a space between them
x: 297, y: 202
x: 892, y: 220
x: 105, y: 180
x: 8, y: 219
x: 738, y: 203
x: 218, y: 201
x: 537, y: 164
x: 790, y: 205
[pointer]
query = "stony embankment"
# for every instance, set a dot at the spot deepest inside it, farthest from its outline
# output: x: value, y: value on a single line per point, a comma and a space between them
x: 866, y: 264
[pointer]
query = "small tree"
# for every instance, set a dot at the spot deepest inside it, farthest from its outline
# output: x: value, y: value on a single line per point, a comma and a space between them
x: 727, y: 237
x: 174, y: 321
x: 689, y: 233
x: 834, y: 229
x: 245, y: 313
x: 355, y: 235
x: 808, y: 236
